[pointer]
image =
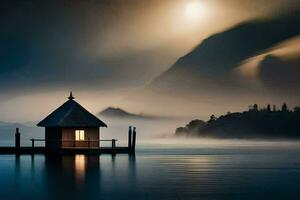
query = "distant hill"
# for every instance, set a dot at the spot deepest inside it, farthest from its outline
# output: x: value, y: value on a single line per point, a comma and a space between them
x: 254, y: 123
x: 28, y: 130
x: 118, y: 113
x: 8, y: 125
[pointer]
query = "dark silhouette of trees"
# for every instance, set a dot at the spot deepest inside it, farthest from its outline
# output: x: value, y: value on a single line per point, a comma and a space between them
x: 255, y: 107
x: 213, y: 118
x: 269, y: 108
x: 254, y: 123
x: 192, y: 128
x: 284, y: 107
x: 297, y: 109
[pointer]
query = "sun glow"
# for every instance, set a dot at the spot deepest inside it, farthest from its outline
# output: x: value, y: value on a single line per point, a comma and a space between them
x: 194, y: 10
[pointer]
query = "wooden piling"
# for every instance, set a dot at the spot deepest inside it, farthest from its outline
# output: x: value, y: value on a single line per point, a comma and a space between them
x: 129, y: 137
x: 133, y: 138
x: 113, y: 145
x: 32, y: 143
x: 32, y: 146
x: 17, y: 139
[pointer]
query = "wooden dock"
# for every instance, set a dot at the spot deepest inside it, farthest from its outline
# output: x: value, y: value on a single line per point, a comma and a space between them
x: 43, y: 150
x: 86, y: 149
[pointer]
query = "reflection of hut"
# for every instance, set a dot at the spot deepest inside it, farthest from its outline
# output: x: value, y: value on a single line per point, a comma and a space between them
x: 77, y: 171
x: 71, y: 125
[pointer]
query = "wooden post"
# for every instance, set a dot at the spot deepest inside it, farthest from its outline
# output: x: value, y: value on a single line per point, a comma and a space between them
x: 134, y: 138
x: 17, y: 139
x: 32, y: 145
x: 113, y: 145
x: 129, y: 137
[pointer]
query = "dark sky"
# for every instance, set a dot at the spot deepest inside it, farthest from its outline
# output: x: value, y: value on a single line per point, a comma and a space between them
x: 102, y: 50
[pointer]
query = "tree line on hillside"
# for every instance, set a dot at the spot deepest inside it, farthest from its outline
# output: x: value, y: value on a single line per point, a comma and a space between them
x: 267, y: 122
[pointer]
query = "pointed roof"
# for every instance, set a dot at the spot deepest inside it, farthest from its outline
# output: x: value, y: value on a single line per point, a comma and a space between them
x: 71, y: 114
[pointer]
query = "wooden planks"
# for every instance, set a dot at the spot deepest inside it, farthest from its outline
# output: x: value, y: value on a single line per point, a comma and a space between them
x: 43, y: 150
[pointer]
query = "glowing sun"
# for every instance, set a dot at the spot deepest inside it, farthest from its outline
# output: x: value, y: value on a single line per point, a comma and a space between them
x: 194, y: 10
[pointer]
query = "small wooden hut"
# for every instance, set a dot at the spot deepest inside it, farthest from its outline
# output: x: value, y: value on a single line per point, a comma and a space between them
x: 71, y: 126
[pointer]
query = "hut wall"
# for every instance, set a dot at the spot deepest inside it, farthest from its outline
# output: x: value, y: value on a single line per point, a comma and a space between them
x: 53, y: 137
x: 89, y: 134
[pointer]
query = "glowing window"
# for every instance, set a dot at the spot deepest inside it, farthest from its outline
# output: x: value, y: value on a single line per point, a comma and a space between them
x: 79, y: 135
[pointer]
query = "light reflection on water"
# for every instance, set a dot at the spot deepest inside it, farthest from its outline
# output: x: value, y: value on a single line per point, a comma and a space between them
x: 251, y: 172
x: 80, y: 168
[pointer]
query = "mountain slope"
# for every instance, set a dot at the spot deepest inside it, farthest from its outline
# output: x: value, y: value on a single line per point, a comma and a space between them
x: 280, y: 75
x: 210, y: 64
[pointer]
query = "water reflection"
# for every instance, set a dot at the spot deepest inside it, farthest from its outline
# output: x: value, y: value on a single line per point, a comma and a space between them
x: 17, y: 172
x: 83, y: 176
x: 80, y: 168
x: 231, y: 173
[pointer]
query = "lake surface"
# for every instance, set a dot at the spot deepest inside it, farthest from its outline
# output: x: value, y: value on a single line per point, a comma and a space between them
x: 159, y: 171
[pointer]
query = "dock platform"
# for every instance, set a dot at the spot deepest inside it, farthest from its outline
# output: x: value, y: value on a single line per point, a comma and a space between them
x: 84, y: 147
x: 44, y: 150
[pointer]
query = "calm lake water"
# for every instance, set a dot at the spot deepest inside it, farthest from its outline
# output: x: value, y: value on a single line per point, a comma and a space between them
x: 159, y: 171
